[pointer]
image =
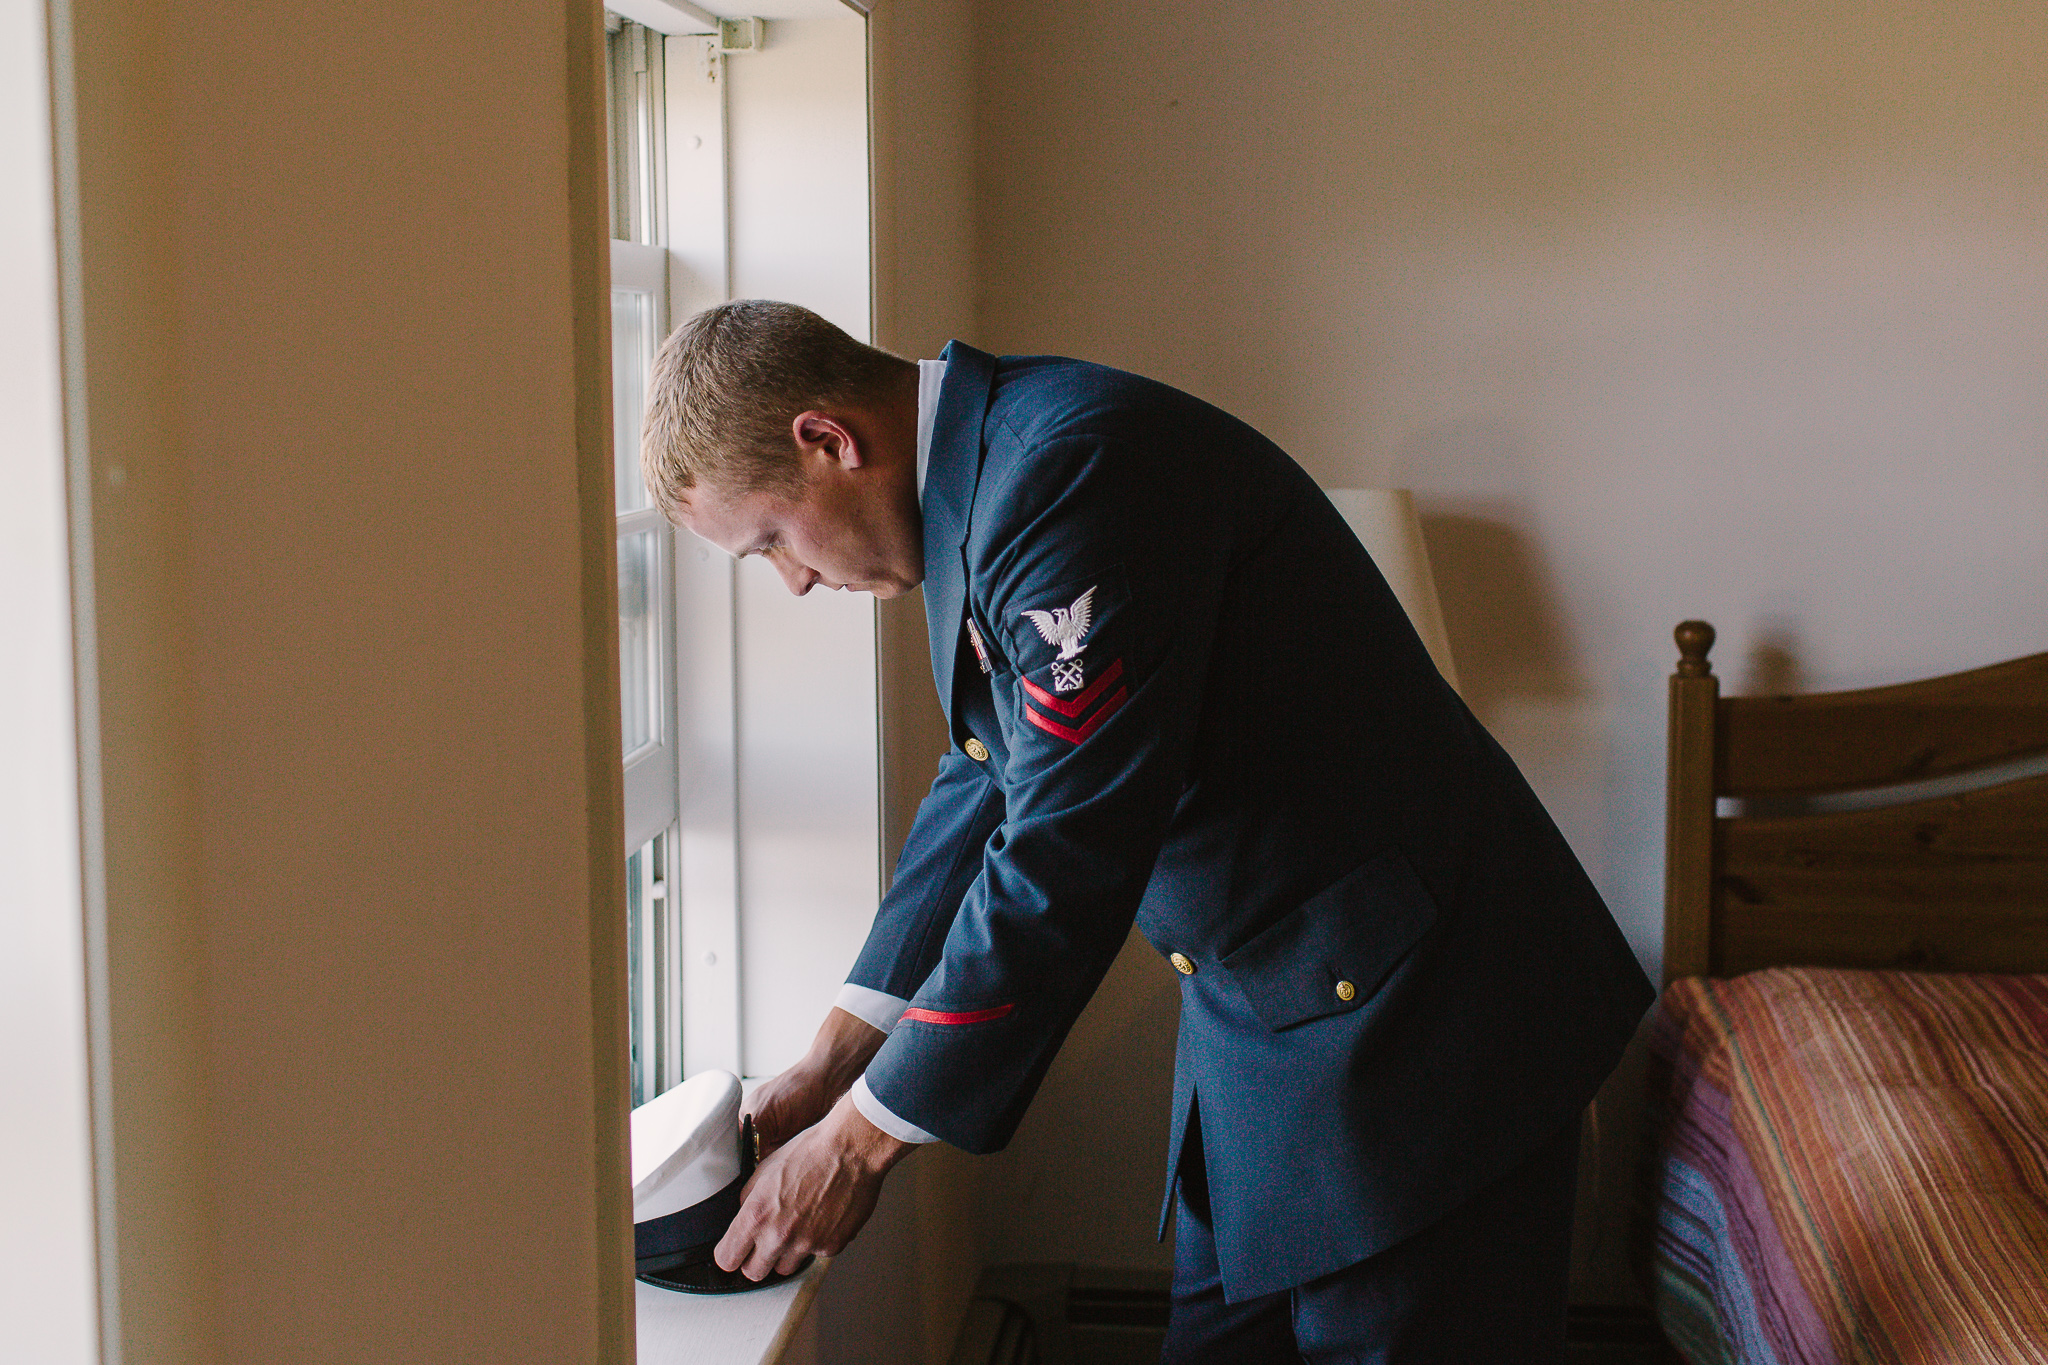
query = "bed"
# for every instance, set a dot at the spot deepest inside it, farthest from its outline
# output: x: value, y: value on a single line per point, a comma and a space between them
x: 1849, y: 1064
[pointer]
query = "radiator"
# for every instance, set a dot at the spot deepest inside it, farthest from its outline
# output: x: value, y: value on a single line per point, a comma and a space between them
x: 1064, y: 1315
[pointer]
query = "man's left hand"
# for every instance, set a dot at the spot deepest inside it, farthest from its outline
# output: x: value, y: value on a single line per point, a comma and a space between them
x: 787, y: 1104
x: 811, y: 1196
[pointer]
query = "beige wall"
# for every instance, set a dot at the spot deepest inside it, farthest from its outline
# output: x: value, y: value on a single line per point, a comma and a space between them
x: 352, y: 514
x: 158, y: 1264
x: 1721, y: 311
x: 1730, y: 314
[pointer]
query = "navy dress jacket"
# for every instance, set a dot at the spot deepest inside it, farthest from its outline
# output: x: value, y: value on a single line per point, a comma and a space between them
x: 1180, y: 691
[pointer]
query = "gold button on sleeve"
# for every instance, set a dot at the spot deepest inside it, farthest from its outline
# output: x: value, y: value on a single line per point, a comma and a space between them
x: 1345, y: 990
x: 1181, y: 964
x: 976, y: 750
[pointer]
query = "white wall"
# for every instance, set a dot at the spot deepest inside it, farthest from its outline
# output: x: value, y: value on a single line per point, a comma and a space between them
x: 49, y: 1296
x: 1724, y: 311
x: 809, y: 777
x: 799, y: 164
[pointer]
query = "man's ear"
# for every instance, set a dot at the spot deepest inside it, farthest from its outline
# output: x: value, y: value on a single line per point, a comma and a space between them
x: 821, y: 435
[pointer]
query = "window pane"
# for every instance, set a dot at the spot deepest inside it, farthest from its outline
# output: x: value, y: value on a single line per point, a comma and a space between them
x: 635, y: 108
x: 651, y: 972
x: 639, y: 992
x: 632, y: 353
x: 639, y: 642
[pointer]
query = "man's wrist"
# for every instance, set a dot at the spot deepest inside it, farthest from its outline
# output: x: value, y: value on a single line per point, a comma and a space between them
x: 842, y: 1050
x: 872, y: 1149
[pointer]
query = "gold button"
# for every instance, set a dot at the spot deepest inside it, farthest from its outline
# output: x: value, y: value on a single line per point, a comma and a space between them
x: 1181, y: 964
x: 976, y: 750
x: 1345, y: 990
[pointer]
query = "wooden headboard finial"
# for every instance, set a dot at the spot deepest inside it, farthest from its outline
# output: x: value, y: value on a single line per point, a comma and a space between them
x: 1689, y: 807
x: 1694, y: 638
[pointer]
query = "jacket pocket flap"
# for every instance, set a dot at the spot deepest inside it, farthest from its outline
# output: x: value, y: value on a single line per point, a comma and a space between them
x: 1332, y: 952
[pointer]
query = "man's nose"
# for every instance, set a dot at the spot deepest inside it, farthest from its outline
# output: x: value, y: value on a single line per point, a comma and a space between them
x: 797, y: 578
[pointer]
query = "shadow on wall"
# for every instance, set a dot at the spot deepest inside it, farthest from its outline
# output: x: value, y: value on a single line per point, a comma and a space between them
x: 1506, y: 630
x: 1517, y: 673
x: 1773, y: 668
x: 1082, y: 1180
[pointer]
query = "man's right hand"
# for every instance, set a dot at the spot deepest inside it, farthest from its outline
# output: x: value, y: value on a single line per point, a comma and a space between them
x: 798, y: 1098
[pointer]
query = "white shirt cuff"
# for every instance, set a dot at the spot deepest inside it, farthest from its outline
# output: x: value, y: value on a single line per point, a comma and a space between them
x: 877, y: 1113
x: 872, y: 1006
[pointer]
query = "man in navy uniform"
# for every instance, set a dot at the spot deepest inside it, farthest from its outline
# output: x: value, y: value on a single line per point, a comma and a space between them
x: 1179, y: 692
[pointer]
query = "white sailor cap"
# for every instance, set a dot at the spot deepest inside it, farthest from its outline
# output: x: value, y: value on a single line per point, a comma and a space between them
x: 692, y: 1154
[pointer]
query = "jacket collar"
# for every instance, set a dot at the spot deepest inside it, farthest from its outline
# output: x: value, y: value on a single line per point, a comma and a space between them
x: 949, y: 502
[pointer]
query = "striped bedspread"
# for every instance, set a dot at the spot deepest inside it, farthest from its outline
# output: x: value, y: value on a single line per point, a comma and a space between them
x: 1852, y: 1166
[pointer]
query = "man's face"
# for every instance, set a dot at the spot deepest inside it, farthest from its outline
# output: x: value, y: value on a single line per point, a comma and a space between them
x: 854, y: 525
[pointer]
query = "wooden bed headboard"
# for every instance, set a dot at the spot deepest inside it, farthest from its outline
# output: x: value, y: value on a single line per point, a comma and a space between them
x: 1950, y: 882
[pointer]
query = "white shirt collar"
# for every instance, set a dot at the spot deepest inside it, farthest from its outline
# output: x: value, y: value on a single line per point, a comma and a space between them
x: 930, y: 374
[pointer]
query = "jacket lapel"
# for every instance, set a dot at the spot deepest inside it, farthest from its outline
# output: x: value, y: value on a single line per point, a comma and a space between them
x: 949, y: 485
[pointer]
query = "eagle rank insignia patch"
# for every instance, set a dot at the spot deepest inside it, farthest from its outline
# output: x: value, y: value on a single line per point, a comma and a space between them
x: 1066, y: 627
x: 1075, y: 708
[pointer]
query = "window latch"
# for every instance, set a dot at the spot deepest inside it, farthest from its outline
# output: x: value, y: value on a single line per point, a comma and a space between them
x: 742, y: 35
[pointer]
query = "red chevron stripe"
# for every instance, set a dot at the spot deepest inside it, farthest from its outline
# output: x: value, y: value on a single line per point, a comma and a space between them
x: 968, y: 1017
x: 1074, y: 705
x: 1072, y: 734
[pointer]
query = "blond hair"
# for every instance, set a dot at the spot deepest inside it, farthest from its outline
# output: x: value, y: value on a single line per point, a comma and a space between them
x: 727, y: 385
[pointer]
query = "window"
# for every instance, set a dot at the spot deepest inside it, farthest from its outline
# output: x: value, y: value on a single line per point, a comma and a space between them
x: 749, y: 725
x: 647, y: 597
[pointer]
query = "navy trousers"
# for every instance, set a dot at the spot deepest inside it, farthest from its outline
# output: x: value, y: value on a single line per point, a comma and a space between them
x: 1484, y: 1285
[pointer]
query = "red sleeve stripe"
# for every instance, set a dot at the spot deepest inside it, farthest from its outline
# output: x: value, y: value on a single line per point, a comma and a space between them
x: 966, y: 1017
x: 1073, y: 734
x: 1075, y: 705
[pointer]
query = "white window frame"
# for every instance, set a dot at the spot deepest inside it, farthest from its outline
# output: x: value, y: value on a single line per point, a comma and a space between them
x: 651, y: 773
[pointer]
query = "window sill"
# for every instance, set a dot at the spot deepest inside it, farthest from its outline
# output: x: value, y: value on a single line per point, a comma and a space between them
x: 722, y: 1329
